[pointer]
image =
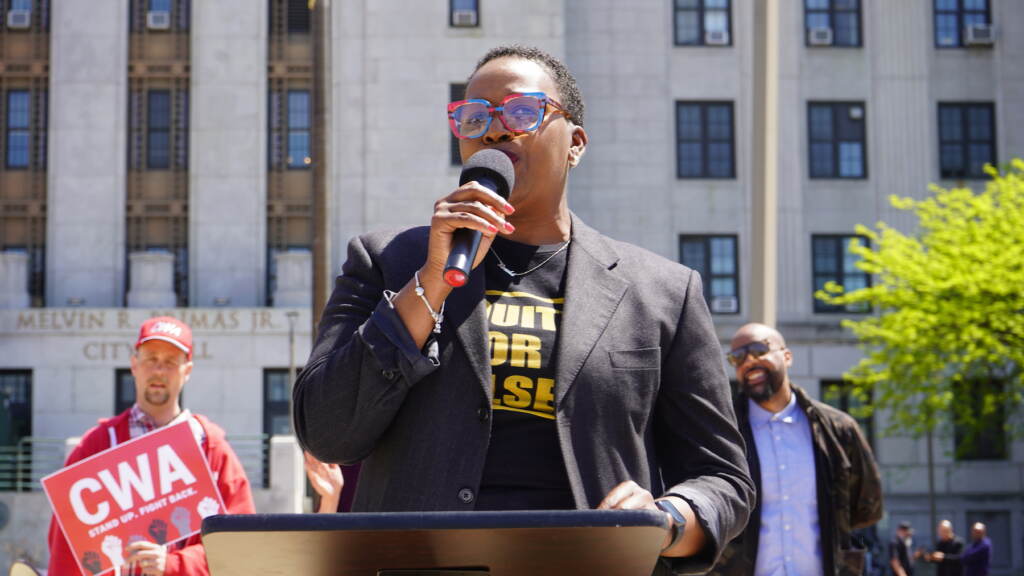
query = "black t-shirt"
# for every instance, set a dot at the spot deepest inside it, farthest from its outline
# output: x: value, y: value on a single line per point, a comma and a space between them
x: 899, y: 549
x: 951, y: 565
x: 525, y: 469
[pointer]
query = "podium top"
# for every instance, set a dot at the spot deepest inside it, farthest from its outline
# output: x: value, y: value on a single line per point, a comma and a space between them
x: 623, y: 542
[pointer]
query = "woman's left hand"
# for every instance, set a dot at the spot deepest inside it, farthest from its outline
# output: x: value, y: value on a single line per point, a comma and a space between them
x: 631, y: 496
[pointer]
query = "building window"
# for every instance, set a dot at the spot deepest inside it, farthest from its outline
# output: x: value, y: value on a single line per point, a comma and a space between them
x: 124, y: 390
x: 953, y: 17
x: 456, y: 92
x: 158, y: 130
x: 18, y: 141
x: 289, y: 138
x: 15, y: 406
x: 979, y: 434
x: 702, y: 23
x: 159, y: 15
x: 24, y: 15
x: 18, y: 464
x: 704, y: 134
x: 299, y: 17
x: 716, y: 259
x: 833, y: 261
x: 837, y: 145
x: 464, y: 13
x: 299, y: 155
x: 277, y: 394
x: 832, y: 22
x: 24, y: 127
x: 23, y: 110
x: 159, y: 133
x: 839, y: 394
x: 967, y: 140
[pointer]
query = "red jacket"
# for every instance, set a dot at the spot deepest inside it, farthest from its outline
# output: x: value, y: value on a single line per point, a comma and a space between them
x: 227, y: 472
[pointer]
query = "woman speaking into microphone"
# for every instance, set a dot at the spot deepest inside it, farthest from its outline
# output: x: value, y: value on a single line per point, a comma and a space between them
x: 568, y: 370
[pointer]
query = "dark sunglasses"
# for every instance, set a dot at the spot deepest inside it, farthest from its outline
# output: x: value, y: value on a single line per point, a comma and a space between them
x: 737, y: 356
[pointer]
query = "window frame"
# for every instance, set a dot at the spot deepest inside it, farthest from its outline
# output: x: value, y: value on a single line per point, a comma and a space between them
x: 294, y: 25
x: 958, y: 13
x: 835, y: 141
x: 27, y: 380
x: 965, y: 141
x: 705, y: 140
x: 841, y: 243
x: 164, y: 130
x: 700, y: 11
x: 122, y: 378
x: 276, y: 408
x: 10, y: 131
x: 706, y: 239
x: 982, y: 442
x: 451, y: 15
x: 289, y: 130
x: 831, y: 12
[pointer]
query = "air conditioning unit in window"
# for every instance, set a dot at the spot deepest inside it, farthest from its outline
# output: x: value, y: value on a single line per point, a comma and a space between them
x: 158, y: 20
x: 819, y: 36
x: 464, y: 18
x: 19, y: 19
x: 856, y: 112
x: 716, y: 37
x: 725, y: 305
x: 980, y: 35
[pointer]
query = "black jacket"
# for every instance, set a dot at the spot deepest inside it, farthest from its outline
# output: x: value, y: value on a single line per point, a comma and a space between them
x: 641, y: 394
x: 848, y: 485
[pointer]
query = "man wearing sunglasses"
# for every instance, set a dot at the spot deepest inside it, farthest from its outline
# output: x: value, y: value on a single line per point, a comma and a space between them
x: 816, y: 477
x: 572, y: 371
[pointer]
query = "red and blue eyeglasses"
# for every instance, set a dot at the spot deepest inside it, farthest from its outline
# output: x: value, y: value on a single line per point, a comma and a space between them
x: 518, y: 113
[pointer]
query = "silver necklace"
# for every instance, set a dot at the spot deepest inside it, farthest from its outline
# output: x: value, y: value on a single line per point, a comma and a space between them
x: 514, y: 274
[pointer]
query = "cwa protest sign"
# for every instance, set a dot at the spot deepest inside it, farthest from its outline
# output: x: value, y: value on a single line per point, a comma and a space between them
x: 156, y: 487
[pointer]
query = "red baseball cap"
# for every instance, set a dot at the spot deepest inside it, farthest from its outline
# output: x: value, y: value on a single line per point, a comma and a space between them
x: 168, y: 329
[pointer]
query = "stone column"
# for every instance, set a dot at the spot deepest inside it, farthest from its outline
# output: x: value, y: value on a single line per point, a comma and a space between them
x: 294, y: 279
x: 151, y: 280
x: 87, y: 137
x: 228, y: 162
x: 287, y: 475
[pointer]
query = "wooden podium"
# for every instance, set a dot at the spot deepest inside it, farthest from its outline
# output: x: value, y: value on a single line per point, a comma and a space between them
x: 535, y: 543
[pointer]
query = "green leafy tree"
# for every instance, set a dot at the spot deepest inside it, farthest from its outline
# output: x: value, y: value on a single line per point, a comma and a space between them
x: 947, y: 336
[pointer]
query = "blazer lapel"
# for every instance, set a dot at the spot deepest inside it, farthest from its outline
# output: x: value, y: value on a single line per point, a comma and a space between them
x: 467, y: 312
x: 592, y: 293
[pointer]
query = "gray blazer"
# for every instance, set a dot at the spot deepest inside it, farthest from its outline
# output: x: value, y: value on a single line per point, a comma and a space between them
x: 640, y: 392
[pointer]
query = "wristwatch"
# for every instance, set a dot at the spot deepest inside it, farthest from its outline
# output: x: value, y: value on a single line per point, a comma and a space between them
x: 678, y: 521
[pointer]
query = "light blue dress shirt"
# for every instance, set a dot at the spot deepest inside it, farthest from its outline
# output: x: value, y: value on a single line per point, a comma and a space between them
x: 790, y: 542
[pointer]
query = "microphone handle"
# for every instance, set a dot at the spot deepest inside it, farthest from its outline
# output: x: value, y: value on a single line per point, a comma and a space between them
x: 465, y: 243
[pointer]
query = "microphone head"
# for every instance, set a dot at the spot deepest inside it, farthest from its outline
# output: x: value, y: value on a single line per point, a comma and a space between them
x: 492, y: 169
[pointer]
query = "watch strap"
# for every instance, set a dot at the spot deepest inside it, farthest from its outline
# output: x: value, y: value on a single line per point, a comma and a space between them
x: 678, y: 521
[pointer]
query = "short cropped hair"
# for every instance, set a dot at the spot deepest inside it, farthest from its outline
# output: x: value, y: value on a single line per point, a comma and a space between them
x: 569, y: 94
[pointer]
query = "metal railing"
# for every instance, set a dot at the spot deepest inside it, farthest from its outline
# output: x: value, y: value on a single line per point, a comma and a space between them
x: 25, y: 463
x: 253, y: 450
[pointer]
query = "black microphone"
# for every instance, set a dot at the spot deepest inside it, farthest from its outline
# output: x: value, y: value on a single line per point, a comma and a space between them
x: 493, y: 170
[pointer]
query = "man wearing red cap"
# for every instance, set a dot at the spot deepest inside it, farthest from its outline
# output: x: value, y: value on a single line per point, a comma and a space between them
x: 161, y: 365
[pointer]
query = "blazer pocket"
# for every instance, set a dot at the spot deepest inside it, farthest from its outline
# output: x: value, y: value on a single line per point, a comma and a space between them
x: 641, y: 359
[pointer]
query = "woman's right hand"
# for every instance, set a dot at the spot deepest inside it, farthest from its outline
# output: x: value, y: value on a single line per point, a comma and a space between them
x: 327, y: 480
x: 470, y: 206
